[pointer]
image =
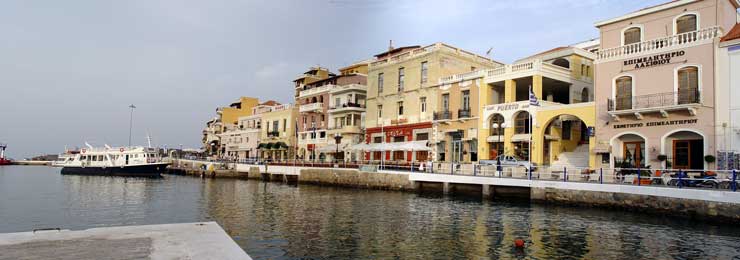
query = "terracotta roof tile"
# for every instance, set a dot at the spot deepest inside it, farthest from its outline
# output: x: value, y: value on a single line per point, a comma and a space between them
x: 732, y: 34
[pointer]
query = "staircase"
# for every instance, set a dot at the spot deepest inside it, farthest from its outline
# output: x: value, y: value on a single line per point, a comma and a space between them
x: 576, y: 158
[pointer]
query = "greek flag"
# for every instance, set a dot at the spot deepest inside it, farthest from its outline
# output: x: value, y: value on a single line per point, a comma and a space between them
x: 532, y: 98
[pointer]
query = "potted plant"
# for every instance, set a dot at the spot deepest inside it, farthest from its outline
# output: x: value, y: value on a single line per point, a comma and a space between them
x: 662, y: 157
x: 709, y: 158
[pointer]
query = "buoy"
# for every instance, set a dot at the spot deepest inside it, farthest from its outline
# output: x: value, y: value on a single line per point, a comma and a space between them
x: 519, y: 243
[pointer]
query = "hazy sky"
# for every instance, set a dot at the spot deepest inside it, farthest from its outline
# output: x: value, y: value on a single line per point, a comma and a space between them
x: 69, y: 69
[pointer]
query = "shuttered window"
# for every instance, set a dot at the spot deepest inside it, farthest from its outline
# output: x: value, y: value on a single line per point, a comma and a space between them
x: 686, y: 23
x: 624, y: 93
x: 688, y: 85
x: 632, y: 35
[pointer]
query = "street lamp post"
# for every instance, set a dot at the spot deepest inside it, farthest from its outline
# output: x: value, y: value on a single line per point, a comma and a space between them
x: 498, y: 134
x: 130, y: 123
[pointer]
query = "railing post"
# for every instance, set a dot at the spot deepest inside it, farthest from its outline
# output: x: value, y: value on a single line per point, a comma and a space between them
x: 565, y: 174
x: 475, y: 172
x: 452, y: 168
x: 733, y: 184
x: 638, y: 176
x: 530, y: 172
x: 601, y: 175
x: 680, y: 179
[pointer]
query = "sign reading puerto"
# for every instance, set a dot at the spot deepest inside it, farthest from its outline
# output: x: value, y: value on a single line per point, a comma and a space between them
x: 658, y: 59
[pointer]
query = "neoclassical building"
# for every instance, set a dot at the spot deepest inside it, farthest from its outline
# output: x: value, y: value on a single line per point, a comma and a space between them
x: 657, y: 85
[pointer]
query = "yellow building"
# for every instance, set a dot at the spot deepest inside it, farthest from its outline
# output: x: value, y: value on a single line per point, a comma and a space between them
x: 562, y: 124
x: 403, y: 86
x: 277, y: 134
x: 243, y: 107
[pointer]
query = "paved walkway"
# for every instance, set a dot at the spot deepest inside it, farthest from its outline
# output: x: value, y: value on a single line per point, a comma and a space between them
x: 170, y: 241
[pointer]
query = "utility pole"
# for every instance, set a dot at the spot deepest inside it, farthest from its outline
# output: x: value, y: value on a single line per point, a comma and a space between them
x: 130, y: 123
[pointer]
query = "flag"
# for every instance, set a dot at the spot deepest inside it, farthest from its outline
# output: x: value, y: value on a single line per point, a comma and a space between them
x: 532, y: 98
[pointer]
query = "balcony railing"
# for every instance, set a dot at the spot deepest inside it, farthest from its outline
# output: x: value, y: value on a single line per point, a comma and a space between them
x: 463, y: 113
x: 273, y: 134
x: 526, y: 67
x: 444, y: 115
x: 348, y: 104
x: 660, y: 43
x: 316, y: 90
x: 312, y: 107
x: 655, y: 100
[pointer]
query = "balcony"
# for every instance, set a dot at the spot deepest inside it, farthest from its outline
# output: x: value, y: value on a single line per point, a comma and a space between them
x: 349, y: 106
x: 315, y: 91
x: 660, y: 102
x: 349, y: 88
x: 660, y: 44
x: 528, y: 68
x: 346, y: 129
x: 273, y: 134
x: 313, y: 107
x: 444, y: 115
x: 463, y: 113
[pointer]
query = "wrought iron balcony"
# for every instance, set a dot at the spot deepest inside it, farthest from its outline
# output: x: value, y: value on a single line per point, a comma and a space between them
x: 444, y: 115
x: 658, y: 100
x: 463, y: 113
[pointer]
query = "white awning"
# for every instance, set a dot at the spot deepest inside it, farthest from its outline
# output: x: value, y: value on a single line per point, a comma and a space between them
x: 397, y: 146
x: 520, y: 138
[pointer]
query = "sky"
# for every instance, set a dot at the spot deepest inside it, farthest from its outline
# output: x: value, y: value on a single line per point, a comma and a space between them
x: 70, y: 69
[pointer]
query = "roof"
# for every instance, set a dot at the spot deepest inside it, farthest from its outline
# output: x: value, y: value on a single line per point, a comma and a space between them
x: 396, y: 50
x: 733, y: 34
x: 270, y: 103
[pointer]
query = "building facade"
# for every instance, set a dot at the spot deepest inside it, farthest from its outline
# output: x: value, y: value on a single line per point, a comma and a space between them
x: 278, y: 133
x: 347, y: 104
x: 403, y: 95
x: 241, y: 140
x: 227, y: 118
x: 728, y: 112
x: 656, y: 85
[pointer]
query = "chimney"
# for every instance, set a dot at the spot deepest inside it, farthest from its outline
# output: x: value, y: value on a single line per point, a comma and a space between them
x: 390, y: 45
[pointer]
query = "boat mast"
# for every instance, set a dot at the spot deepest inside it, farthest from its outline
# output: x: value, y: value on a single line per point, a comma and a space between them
x: 130, y: 123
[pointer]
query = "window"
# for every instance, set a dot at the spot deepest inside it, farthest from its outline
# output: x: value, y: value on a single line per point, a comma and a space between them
x: 567, y: 129
x: 632, y: 35
x: 521, y: 123
x: 446, y: 102
x: 688, y: 85
x: 562, y: 63
x: 380, y: 111
x: 466, y: 100
x: 422, y: 137
x: 398, y: 155
x: 623, y: 97
x: 377, y: 139
x: 275, y: 125
x: 400, y: 108
x: 285, y: 124
x: 401, y: 76
x: 686, y: 23
x: 322, y: 134
x: 583, y: 69
x: 424, y: 71
x: 423, y: 102
x: 498, y: 120
x: 584, y: 95
x: 337, y: 102
x: 380, y: 83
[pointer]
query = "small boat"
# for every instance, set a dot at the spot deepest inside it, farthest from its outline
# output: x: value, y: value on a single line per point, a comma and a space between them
x: 3, y: 160
x: 134, y: 161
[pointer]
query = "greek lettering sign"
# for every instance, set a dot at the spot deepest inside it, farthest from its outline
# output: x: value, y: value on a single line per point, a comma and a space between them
x: 655, y: 60
x: 657, y: 123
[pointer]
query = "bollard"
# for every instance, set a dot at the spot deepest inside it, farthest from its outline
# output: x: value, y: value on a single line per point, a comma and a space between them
x: 474, y: 170
x: 530, y: 172
x: 601, y: 175
x: 565, y: 174
x: 452, y: 168
x: 638, y: 176
x: 733, y: 184
x: 680, y: 177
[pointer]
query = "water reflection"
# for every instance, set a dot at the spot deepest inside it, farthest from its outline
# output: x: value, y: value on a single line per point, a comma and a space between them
x: 275, y: 221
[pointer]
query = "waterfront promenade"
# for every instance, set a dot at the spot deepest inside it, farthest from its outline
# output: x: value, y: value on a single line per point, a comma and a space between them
x: 607, y: 188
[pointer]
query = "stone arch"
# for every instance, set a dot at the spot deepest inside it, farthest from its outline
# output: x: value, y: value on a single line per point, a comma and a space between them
x: 562, y: 63
x: 705, y: 143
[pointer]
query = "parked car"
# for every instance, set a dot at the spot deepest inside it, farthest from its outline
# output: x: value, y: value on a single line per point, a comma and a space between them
x: 507, y: 161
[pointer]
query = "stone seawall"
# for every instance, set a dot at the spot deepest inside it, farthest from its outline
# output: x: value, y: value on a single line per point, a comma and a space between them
x: 356, y: 178
x: 653, y: 204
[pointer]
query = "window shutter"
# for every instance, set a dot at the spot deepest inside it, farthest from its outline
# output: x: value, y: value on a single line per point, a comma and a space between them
x: 631, y: 36
x: 686, y: 23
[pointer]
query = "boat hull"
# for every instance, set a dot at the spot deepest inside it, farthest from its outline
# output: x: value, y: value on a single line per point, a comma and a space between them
x: 147, y: 170
x: 5, y: 162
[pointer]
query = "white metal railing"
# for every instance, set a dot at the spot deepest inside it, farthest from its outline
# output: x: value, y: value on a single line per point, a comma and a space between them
x: 311, y: 107
x: 314, y: 91
x: 686, y: 38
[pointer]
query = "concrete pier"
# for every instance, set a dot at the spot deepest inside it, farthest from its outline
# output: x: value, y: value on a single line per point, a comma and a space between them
x: 170, y: 241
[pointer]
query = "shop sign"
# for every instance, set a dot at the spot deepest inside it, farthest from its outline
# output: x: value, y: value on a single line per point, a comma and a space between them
x: 657, y: 123
x: 591, y: 131
x: 655, y: 60
x: 505, y: 107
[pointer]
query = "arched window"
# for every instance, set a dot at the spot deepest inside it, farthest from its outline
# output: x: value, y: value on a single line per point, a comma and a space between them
x: 313, y: 100
x: 562, y: 63
x: 497, y: 119
x: 584, y: 95
x: 623, y: 95
x: 521, y: 123
x: 688, y: 85
x: 686, y: 23
x: 632, y: 35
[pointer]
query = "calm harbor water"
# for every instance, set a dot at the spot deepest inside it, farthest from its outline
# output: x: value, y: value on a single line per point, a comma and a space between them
x: 277, y: 221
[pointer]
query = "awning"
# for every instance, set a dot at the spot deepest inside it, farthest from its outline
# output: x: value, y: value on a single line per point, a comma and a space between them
x: 397, y: 146
x: 332, y: 148
x: 261, y: 146
x: 602, y: 148
x: 520, y: 138
x: 279, y: 146
x: 551, y: 137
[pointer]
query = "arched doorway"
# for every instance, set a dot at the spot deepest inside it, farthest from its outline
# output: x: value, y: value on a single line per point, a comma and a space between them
x: 496, y: 136
x: 566, y: 142
x: 684, y: 149
x: 629, y: 150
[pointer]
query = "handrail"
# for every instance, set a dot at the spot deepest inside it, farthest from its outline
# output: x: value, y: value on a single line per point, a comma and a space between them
x: 660, y: 43
x: 654, y: 100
